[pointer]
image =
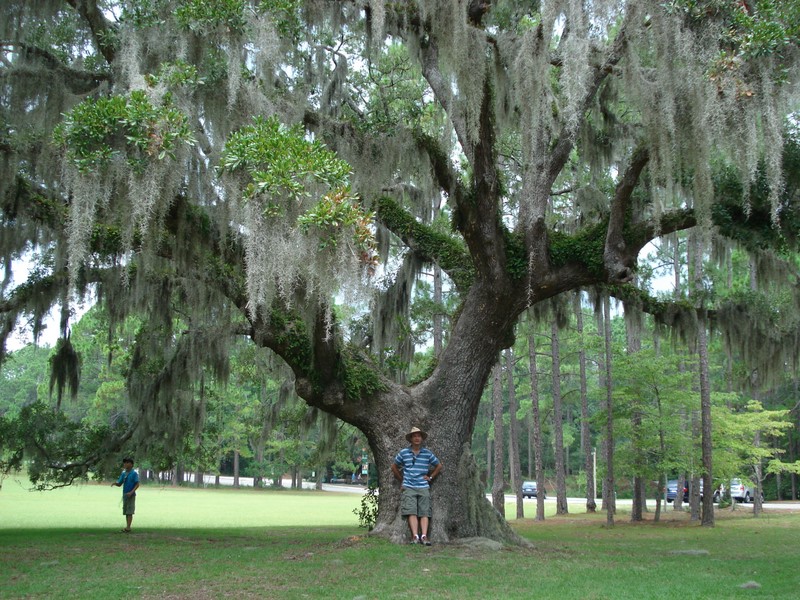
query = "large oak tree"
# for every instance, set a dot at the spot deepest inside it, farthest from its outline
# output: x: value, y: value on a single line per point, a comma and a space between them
x: 238, y: 166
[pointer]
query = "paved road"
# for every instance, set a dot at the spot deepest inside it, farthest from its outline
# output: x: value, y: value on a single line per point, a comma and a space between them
x: 577, y: 503
x: 651, y: 504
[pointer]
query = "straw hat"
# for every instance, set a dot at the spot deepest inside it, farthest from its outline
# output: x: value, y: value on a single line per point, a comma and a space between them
x: 416, y: 430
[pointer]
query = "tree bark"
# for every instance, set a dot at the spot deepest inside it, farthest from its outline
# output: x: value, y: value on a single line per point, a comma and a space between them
x: 514, y: 467
x: 633, y: 332
x: 586, y: 446
x: 694, y: 480
x: 438, y: 329
x: 558, y: 423
x: 536, y: 425
x: 707, y: 518
x: 609, y: 494
x: 498, y: 480
x: 758, y: 476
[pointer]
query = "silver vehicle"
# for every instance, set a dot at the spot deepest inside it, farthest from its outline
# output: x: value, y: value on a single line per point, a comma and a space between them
x: 530, y: 490
x: 741, y: 491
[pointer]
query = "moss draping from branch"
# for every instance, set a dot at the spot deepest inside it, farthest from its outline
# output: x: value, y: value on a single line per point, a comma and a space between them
x: 65, y: 370
x: 292, y: 340
x: 448, y: 252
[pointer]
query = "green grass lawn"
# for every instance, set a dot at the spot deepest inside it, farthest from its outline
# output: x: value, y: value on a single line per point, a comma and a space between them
x: 248, y: 543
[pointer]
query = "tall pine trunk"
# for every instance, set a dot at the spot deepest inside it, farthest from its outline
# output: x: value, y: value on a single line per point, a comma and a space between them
x: 498, y: 482
x: 536, y: 425
x: 514, y: 468
x: 633, y: 333
x: 586, y: 445
x: 558, y: 423
x: 707, y: 518
x: 609, y: 495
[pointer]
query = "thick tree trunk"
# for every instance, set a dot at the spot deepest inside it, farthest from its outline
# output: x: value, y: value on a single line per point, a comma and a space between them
x: 445, y: 405
x: 460, y: 507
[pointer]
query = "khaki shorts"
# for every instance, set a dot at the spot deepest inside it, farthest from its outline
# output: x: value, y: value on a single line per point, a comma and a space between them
x: 416, y: 502
x: 128, y: 505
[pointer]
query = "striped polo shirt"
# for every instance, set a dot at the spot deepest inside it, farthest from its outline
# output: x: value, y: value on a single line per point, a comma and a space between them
x: 415, y: 466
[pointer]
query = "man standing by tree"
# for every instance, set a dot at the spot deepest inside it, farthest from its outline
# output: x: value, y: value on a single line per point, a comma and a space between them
x: 416, y: 462
x: 129, y: 480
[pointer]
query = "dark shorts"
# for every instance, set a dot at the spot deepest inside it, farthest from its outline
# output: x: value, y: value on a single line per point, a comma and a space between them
x: 416, y: 502
x: 128, y: 505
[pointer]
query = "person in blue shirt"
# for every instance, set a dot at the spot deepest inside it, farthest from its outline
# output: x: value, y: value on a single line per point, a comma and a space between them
x: 416, y: 467
x: 129, y: 480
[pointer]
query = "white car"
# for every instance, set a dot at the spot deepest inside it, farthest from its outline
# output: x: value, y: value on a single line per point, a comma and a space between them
x: 741, y: 492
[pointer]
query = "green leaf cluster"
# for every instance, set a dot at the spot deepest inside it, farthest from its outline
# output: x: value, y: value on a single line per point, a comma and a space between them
x: 279, y: 160
x: 285, y: 15
x: 145, y: 13
x: 51, y: 447
x: 96, y: 131
x: 202, y: 16
x: 769, y: 28
x: 751, y: 31
x: 367, y: 511
x: 360, y: 377
x: 339, y: 210
x: 177, y: 73
x: 585, y: 247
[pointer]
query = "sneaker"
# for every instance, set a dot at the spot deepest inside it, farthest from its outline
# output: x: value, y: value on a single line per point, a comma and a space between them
x: 415, y: 541
x: 425, y: 540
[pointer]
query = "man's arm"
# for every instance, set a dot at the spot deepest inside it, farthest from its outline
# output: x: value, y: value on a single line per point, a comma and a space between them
x: 135, y: 480
x: 433, y: 474
x: 396, y: 472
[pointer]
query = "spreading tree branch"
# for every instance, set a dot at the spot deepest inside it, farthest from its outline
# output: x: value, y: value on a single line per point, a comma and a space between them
x: 103, y: 31
x: 619, y: 262
x: 75, y: 80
